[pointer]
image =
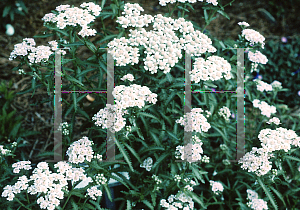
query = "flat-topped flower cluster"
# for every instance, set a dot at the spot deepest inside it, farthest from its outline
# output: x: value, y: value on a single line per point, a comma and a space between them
x: 75, y: 16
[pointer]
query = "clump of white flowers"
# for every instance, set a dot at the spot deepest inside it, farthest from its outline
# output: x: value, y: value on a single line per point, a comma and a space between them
x: 213, y: 68
x: 4, y: 152
x: 64, y: 127
x: 162, y: 45
x: 165, y: 2
x: 80, y: 151
x: 133, y: 95
x: 216, y: 187
x: 263, y: 86
x: 257, y: 57
x: 73, y: 16
x: 178, y: 201
x: 253, y: 37
x: 254, y: 202
x: 93, y: 192
x: 147, y: 164
x: 111, y: 117
x: 257, y: 160
x: 157, y: 180
x: 265, y: 108
x: 34, y: 54
x: 21, y: 165
x: 276, y: 84
x: 243, y: 24
x: 100, y: 179
x: 128, y: 77
x: 274, y: 120
x: 225, y: 113
x: 190, y: 152
x: 194, y: 121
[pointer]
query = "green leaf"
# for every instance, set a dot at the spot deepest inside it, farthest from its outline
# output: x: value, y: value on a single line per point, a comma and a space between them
x: 74, y: 205
x: 182, y: 8
x: 278, y: 195
x: 108, y: 192
x: 159, y: 160
x: 205, y: 16
x: 268, y: 193
x: 292, y: 158
x: 197, y: 199
x: 125, y: 154
x: 148, y: 115
x: 155, y: 138
x: 6, y: 10
x: 224, y: 14
x: 133, y: 152
x: 72, y: 79
x: 147, y: 203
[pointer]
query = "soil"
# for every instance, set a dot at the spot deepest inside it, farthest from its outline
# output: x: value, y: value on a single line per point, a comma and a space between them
x: 38, y: 114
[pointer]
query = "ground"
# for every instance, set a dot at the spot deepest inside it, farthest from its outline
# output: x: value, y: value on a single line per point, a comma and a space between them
x: 38, y: 115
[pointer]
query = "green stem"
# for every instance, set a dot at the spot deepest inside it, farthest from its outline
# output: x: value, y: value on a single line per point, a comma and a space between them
x: 183, y: 11
x: 208, y: 22
x: 67, y: 200
x: 27, y: 197
x: 84, y: 202
x: 174, y: 8
x: 21, y: 203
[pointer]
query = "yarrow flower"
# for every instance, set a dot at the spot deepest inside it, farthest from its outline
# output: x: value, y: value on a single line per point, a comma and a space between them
x: 75, y: 16
x: 216, y: 187
x: 253, y: 37
x: 274, y: 120
x: 64, y: 127
x: 128, y: 77
x: 147, y: 164
x: 4, y: 152
x: 276, y: 84
x: 34, y: 54
x: 162, y: 46
x: 93, y: 192
x: 265, y: 109
x: 214, y: 68
x: 21, y: 165
x: 254, y: 202
x: 80, y: 150
x: 243, y: 24
x: 263, y: 86
x: 178, y: 201
x: 194, y: 121
x: 190, y: 152
x: 257, y: 57
x: 225, y: 113
x: 165, y: 2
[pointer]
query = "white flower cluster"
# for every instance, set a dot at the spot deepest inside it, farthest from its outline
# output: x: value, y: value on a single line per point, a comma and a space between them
x: 194, y: 121
x: 4, y: 152
x: 263, y: 86
x: 243, y: 24
x: 133, y: 18
x: 98, y: 157
x: 189, y: 184
x: 274, y: 120
x: 93, y: 192
x: 225, y: 113
x: 100, y: 179
x: 147, y: 164
x: 64, y: 127
x: 213, y: 68
x: 111, y: 117
x: 253, y: 37
x: 80, y: 150
x: 278, y: 139
x: 35, y: 54
x: 129, y: 77
x: 163, y: 47
x: 52, y: 185
x: 157, y: 180
x: 75, y: 16
x: 257, y: 57
x: 177, y: 178
x: 165, y: 2
x: 190, y: 152
x: 271, y: 140
x: 216, y: 187
x: 265, y: 108
x: 180, y: 201
x: 257, y: 160
x: 276, y: 84
x: 254, y: 202
x: 133, y: 95
x: 21, y: 165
